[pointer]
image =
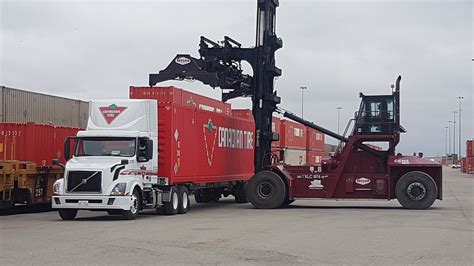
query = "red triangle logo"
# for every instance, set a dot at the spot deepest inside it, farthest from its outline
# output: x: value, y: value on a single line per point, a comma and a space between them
x: 111, y: 112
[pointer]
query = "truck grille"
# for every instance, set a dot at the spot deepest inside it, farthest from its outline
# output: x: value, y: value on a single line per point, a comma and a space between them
x: 84, y: 181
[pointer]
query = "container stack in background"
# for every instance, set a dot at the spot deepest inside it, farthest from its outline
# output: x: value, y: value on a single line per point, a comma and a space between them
x: 467, y: 163
x: 33, y: 128
x: 298, y: 145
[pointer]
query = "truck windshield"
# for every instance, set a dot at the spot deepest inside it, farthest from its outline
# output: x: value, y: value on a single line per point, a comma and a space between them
x: 124, y: 147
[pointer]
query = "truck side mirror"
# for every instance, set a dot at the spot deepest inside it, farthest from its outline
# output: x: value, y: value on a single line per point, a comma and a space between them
x: 67, y: 149
x: 149, y: 149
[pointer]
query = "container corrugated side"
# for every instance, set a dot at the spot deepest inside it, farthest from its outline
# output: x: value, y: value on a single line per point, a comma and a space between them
x: 315, y: 140
x: 25, y: 106
x: 38, y: 143
x: 470, y: 148
x: 293, y: 135
x: 196, y: 146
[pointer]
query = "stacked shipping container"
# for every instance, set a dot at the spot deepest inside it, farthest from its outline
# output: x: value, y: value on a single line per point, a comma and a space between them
x: 467, y: 163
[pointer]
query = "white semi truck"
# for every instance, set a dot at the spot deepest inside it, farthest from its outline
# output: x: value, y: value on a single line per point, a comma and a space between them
x: 103, y: 173
x: 115, y: 162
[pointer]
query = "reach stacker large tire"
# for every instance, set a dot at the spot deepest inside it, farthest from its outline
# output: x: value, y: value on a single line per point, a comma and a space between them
x: 67, y: 214
x: 266, y: 190
x: 416, y: 190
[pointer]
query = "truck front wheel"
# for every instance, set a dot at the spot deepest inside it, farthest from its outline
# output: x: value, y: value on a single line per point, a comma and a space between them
x: 132, y: 213
x: 416, y: 190
x: 266, y: 190
x: 67, y: 214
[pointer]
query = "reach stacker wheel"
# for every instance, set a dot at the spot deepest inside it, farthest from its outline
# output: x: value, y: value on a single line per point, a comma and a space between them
x: 416, y: 190
x: 266, y: 190
x: 67, y: 214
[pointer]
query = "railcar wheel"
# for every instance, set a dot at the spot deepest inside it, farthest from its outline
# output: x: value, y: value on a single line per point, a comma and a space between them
x: 266, y: 190
x: 416, y: 190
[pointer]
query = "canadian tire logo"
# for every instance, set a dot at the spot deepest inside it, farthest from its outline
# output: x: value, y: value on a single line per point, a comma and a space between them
x: 111, y: 112
x: 210, y: 135
x: 363, y: 181
x: 182, y: 60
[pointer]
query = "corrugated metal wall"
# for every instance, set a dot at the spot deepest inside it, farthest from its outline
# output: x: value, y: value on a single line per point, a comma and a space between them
x: 25, y: 106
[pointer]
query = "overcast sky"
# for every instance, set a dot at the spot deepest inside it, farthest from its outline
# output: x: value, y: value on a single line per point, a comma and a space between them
x: 96, y: 49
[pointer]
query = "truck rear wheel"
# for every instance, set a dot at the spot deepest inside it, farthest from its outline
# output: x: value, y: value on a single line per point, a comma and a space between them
x: 416, y: 190
x: 183, y: 206
x: 266, y: 190
x: 132, y: 213
x: 67, y: 214
x: 240, y: 193
x: 171, y: 208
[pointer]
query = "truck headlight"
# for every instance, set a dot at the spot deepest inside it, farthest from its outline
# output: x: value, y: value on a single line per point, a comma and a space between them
x: 56, y: 188
x: 119, y: 189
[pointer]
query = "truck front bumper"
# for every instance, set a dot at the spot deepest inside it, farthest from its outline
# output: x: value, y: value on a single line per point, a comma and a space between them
x: 92, y: 202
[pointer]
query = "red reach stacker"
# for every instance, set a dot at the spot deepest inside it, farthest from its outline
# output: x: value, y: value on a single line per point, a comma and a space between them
x: 357, y: 170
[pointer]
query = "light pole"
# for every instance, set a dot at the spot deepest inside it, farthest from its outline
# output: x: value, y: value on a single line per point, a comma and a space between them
x: 454, y: 132
x: 460, y: 98
x: 449, y: 136
x: 446, y: 141
x: 338, y: 111
x: 302, y: 90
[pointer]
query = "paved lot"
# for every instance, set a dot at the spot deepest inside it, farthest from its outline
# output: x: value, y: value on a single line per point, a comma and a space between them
x: 308, y: 232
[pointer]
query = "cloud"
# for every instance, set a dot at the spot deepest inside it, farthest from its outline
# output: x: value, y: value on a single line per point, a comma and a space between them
x: 93, y: 50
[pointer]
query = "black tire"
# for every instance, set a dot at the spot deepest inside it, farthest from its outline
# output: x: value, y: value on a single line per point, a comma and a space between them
x: 67, y: 214
x: 183, y: 197
x: 266, y: 190
x: 416, y: 190
x: 214, y: 195
x: 134, y: 209
x: 171, y: 208
x: 205, y: 195
x: 114, y: 212
x: 198, y: 196
x: 288, y: 202
x: 240, y: 193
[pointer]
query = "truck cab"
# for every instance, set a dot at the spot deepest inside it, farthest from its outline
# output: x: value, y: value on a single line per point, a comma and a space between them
x: 113, y: 165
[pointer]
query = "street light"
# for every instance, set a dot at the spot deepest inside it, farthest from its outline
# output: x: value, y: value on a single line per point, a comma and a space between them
x: 446, y: 141
x: 460, y: 98
x: 338, y: 111
x: 454, y: 132
x: 302, y: 90
x: 449, y: 136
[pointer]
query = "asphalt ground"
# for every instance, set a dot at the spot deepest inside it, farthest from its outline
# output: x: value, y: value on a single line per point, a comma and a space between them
x: 311, y: 232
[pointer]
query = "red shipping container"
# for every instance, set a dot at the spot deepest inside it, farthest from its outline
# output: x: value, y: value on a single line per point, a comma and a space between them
x: 463, y: 165
x: 276, y: 128
x: 470, y: 148
x: 470, y: 165
x: 315, y: 140
x: 38, y: 143
x: 242, y: 113
x: 198, y: 146
x: 177, y: 96
x: 314, y: 157
x: 293, y: 135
